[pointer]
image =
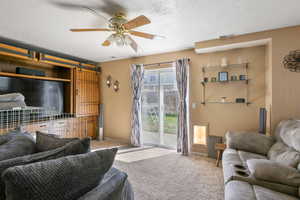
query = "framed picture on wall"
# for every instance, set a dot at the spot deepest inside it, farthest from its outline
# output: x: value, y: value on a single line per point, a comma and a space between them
x: 223, y: 76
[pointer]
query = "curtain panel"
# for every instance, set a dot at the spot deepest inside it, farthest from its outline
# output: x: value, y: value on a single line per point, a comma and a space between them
x: 182, y: 77
x: 137, y: 76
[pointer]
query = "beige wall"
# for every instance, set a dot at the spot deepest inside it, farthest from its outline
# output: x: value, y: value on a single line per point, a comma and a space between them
x: 220, y: 117
x: 273, y: 86
x: 283, y: 91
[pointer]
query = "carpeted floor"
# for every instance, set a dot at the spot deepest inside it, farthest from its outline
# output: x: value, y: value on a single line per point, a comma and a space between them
x: 161, y: 174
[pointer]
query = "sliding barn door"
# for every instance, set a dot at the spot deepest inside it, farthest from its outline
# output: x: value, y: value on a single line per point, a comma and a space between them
x: 86, y: 93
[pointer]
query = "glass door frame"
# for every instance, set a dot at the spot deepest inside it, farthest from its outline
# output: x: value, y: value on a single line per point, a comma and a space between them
x: 161, y: 110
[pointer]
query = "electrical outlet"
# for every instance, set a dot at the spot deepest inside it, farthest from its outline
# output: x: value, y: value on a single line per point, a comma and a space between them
x: 194, y: 105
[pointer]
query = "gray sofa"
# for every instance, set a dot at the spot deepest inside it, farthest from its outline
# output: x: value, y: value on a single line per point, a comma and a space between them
x: 259, y: 167
x: 23, y: 158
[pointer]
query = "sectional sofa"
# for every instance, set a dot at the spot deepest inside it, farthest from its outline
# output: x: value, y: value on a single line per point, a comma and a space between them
x: 260, y: 167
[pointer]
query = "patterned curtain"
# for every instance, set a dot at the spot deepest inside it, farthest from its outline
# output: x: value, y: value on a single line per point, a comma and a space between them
x: 182, y: 77
x: 137, y: 76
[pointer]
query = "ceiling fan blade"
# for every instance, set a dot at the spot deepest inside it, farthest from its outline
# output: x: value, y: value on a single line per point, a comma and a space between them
x: 95, y: 12
x: 72, y: 6
x: 133, y: 45
x: 136, y: 22
x: 106, y: 43
x: 89, y: 29
x: 142, y: 34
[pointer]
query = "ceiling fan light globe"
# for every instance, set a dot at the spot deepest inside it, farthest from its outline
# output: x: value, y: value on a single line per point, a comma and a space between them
x: 111, y: 38
x: 127, y: 40
x: 120, y: 43
x: 159, y: 37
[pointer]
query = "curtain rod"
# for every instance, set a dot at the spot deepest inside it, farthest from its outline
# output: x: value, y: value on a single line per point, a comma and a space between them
x: 162, y: 63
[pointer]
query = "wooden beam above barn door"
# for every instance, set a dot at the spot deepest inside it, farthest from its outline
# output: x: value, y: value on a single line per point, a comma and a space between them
x: 16, y: 52
x: 20, y: 50
x: 57, y: 61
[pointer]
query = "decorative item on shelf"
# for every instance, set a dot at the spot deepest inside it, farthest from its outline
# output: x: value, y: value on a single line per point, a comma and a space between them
x: 223, y: 76
x: 292, y: 61
x: 116, y: 86
x: 108, y: 81
x: 205, y: 79
x: 239, y: 60
x: 240, y: 100
x: 224, y: 62
x: 243, y: 77
x: 233, y: 78
x: 223, y: 99
x: 213, y: 79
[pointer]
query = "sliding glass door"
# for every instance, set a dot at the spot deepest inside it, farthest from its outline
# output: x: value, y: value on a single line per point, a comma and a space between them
x: 159, y: 107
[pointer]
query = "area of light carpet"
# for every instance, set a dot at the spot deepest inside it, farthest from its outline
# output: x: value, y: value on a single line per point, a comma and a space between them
x: 143, y: 154
x: 170, y: 176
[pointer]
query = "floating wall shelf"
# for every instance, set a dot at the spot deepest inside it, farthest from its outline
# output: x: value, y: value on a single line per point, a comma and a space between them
x: 225, y: 82
x: 230, y: 83
x: 229, y: 66
x: 226, y: 102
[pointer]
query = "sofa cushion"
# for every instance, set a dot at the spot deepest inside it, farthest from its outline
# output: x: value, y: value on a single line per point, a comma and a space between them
x: 231, y: 158
x: 248, y: 155
x: 274, y: 172
x: 263, y: 193
x: 251, y: 142
x: 288, y: 132
x: 72, y: 148
x: 283, y: 154
x: 15, y: 144
x: 239, y: 190
x: 46, y: 142
x: 67, y: 178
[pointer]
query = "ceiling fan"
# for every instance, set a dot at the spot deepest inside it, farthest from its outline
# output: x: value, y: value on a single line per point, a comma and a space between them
x: 122, y: 30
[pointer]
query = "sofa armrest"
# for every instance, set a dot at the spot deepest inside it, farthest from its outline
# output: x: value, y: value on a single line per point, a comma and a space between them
x: 114, y: 186
x: 251, y: 142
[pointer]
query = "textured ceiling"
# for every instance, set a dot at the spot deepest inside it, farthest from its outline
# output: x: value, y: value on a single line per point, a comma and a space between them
x: 46, y: 23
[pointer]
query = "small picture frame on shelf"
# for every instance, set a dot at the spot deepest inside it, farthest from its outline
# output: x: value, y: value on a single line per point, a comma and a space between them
x: 243, y: 77
x: 240, y: 100
x: 223, y: 76
x: 213, y: 79
x: 205, y: 80
x: 233, y: 78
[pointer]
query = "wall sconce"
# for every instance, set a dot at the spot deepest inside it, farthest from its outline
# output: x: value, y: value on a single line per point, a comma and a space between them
x: 200, y: 134
x: 108, y: 81
x: 116, y: 86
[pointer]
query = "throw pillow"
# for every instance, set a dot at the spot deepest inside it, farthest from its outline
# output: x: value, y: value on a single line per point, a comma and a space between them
x: 251, y: 142
x: 67, y: 178
x: 271, y: 171
x: 46, y: 142
x: 15, y: 144
x: 72, y: 148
